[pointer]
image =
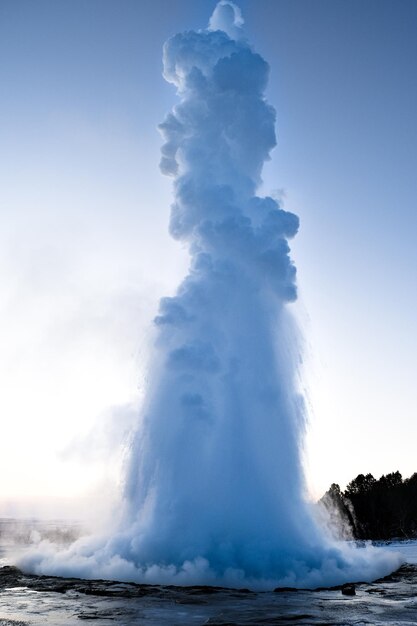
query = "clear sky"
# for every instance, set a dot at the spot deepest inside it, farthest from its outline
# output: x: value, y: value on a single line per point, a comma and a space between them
x: 84, y: 249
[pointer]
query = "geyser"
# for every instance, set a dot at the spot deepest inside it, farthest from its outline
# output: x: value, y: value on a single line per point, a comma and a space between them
x: 214, y: 492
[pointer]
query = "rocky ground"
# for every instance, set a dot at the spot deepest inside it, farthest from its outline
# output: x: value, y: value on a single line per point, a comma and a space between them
x: 35, y: 600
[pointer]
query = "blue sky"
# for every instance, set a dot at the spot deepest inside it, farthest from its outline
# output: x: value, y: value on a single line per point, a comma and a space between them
x: 85, y: 253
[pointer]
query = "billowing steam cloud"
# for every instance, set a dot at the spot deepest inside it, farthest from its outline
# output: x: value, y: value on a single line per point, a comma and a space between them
x: 215, y: 491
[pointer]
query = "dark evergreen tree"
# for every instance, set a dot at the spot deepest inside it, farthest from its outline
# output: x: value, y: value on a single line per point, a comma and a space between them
x: 376, y: 509
x: 339, y: 513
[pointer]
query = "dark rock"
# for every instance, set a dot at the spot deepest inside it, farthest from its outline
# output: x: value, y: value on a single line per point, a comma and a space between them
x: 349, y: 590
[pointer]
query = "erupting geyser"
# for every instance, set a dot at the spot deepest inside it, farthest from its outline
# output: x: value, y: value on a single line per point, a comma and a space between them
x: 215, y: 490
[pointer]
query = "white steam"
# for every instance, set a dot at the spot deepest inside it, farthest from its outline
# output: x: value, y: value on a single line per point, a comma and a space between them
x: 214, y: 490
x: 228, y: 18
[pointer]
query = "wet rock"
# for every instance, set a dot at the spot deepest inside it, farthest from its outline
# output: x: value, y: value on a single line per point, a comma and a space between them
x: 378, y: 590
x: 111, y: 615
x: 190, y: 601
x: 406, y: 571
x: 127, y: 604
x: 9, y: 575
x: 96, y: 615
x: 349, y: 590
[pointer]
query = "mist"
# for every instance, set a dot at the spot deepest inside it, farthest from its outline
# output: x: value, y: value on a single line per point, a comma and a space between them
x: 214, y: 489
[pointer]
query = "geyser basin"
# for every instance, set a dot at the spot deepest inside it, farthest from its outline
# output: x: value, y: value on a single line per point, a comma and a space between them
x: 214, y: 492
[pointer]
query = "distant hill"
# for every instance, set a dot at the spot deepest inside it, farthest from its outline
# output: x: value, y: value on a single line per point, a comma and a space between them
x: 374, y: 509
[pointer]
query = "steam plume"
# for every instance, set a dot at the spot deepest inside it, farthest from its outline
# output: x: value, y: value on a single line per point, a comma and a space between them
x: 215, y: 490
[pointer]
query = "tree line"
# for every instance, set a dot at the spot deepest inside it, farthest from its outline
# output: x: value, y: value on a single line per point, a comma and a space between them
x: 374, y: 509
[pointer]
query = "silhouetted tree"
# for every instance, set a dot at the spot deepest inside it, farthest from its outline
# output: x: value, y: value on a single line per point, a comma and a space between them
x: 377, y: 509
x: 339, y: 514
